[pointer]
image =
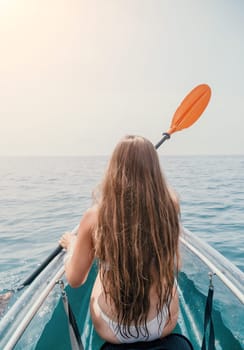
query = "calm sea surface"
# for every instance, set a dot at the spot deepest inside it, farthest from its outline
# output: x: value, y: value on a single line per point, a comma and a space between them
x: 41, y: 197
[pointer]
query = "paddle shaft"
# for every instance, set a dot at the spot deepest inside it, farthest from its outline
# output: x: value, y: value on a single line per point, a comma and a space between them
x: 6, y: 296
x: 31, y: 278
x: 44, y: 264
x: 50, y: 257
x: 165, y: 137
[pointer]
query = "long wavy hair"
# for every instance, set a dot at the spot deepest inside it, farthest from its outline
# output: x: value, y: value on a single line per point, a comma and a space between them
x: 137, y: 233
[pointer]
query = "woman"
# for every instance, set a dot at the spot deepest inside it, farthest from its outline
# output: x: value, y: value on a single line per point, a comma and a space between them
x: 133, y: 231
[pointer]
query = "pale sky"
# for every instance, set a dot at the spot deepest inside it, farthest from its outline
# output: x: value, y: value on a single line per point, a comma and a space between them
x: 76, y: 76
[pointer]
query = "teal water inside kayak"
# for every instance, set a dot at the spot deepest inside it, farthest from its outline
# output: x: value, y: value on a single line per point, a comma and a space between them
x: 193, y: 287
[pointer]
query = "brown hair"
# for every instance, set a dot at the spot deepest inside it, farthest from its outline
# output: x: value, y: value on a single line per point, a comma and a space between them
x: 138, y: 229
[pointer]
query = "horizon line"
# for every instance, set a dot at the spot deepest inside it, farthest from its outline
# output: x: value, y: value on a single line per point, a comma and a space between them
x: 108, y: 155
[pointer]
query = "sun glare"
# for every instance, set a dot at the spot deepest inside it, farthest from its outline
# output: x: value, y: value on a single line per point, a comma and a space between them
x: 7, y: 5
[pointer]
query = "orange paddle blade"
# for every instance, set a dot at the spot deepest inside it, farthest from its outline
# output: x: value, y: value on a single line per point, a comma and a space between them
x: 190, y: 108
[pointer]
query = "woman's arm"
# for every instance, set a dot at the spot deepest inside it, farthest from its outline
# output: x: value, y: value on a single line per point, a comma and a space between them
x: 175, y: 198
x: 80, y: 250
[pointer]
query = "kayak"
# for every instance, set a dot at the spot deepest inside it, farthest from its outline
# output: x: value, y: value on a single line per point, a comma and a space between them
x: 36, y: 317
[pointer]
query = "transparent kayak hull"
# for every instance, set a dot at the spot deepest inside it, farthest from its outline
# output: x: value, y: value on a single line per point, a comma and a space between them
x: 49, y: 327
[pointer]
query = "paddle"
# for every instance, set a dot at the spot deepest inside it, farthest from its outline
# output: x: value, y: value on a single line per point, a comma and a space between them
x: 188, y: 111
x: 186, y: 114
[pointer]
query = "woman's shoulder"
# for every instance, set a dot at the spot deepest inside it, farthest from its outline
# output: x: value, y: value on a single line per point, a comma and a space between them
x: 92, y: 211
x: 90, y: 215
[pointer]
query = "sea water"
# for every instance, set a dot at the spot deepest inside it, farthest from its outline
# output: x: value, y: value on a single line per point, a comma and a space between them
x: 42, y: 197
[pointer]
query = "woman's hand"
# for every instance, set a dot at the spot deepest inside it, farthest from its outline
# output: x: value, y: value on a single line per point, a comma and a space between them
x: 80, y: 250
x: 66, y: 239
